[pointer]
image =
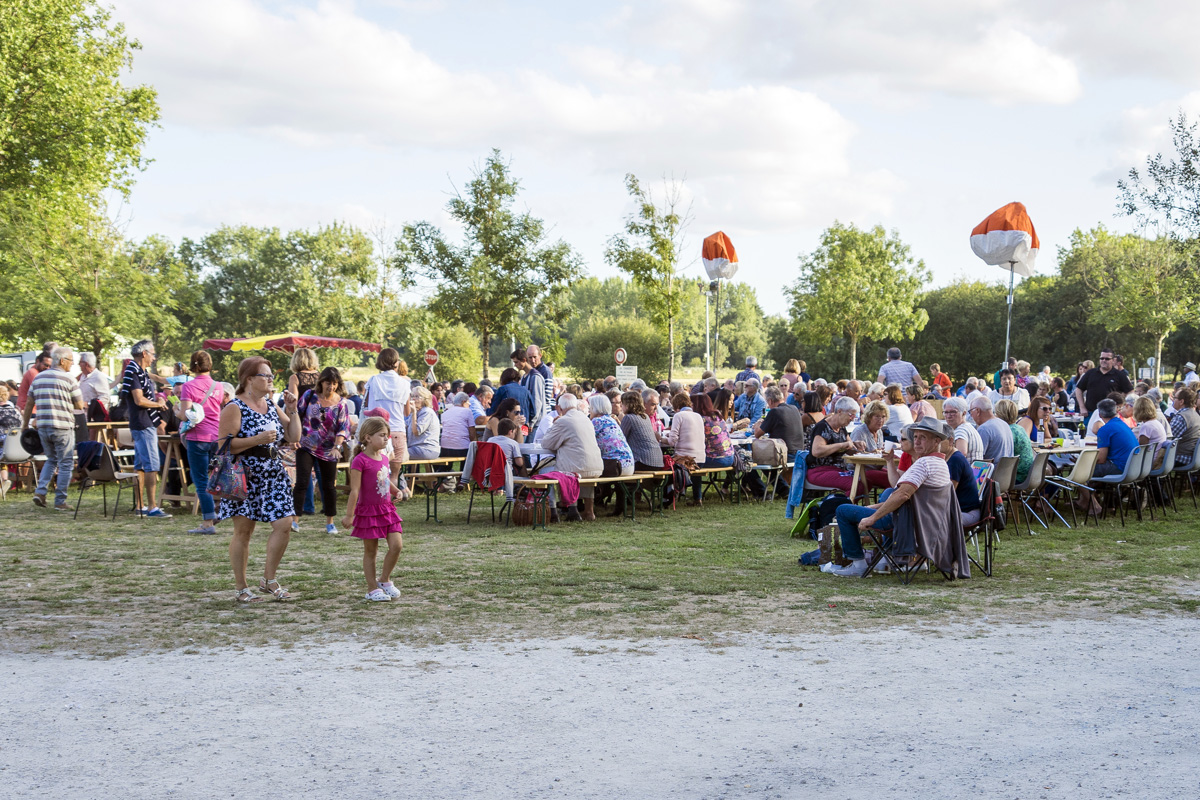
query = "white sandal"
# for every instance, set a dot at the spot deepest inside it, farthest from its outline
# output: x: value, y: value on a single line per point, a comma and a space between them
x: 281, y: 594
x: 247, y: 596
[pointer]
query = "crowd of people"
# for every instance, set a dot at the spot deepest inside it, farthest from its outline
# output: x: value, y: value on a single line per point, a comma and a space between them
x: 286, y: 438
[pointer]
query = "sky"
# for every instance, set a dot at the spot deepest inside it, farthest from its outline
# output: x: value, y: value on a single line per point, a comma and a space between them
x: 775, y: 118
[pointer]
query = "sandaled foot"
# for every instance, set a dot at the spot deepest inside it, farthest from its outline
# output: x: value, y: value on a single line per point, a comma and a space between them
x: 276, y: 591
x: 247, y: 596
x: 377, y: 596
x: 389, y: 588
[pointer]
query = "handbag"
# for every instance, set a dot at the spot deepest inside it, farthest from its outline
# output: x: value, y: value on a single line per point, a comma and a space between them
x: 195, y: 414
x: 768, y: 452
x: 226, y: 475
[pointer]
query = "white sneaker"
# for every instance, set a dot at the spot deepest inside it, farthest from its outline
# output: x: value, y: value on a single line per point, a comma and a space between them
x: 855, y: 570
x: 389, y: 589
x: 377, y: 596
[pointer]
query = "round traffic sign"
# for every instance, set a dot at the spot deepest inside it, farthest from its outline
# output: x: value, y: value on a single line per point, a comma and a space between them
x: 620, y: 355
x: 431, y: 357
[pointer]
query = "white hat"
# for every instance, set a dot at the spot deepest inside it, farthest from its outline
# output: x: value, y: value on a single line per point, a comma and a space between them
x: 1189, y: 365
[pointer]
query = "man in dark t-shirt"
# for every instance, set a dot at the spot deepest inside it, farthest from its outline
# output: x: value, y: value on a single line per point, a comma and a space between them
x: 1098, y: 382
x: 782, y: 421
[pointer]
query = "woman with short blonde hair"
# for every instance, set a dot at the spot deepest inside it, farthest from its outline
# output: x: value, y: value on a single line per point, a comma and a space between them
x: 424, y: 428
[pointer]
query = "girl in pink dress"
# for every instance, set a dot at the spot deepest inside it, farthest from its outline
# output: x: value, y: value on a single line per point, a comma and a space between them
x: 370, y: 514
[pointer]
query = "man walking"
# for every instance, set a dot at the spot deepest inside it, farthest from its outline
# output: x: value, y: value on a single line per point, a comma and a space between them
x: 899, y: 371
x: 56, y: 396
x: 137, y: 390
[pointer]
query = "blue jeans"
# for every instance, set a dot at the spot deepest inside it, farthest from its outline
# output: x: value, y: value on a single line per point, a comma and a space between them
x: 848, y: 517
x: 58, y: 445
x: 198, y: 456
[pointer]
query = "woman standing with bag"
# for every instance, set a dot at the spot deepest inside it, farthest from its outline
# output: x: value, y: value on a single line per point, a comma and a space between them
x: 325, y: 424
x: 199, y: 411
x: 254, y: 428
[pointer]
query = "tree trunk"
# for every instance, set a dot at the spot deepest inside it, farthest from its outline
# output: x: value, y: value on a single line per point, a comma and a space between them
x: 97, y: 346
x: 854, y: 356
x: 670, y: 348
x: 486, y: 340
x: 1158, y: 358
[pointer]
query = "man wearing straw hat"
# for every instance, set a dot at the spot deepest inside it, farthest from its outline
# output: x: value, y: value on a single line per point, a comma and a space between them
x: 1190, y: 374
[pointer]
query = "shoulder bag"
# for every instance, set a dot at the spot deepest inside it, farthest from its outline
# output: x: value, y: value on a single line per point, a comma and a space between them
x: 226, y: 475
x: 195, y: 414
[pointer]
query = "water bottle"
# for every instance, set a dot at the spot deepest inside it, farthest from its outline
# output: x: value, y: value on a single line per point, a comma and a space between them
x: 1071, y: 404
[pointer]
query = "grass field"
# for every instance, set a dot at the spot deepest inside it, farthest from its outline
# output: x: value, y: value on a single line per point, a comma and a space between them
x: 104, y: 588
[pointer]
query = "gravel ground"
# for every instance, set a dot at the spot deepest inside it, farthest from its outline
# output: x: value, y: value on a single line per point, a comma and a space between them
x: 1067, y: 709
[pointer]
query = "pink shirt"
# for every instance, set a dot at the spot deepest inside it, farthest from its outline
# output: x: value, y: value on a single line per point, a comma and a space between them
x: 687, y: 434
x: 194, y: 391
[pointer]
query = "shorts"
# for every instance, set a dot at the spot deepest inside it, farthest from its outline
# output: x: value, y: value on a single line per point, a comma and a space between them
x: 399, y: 447
x: 146, y: 457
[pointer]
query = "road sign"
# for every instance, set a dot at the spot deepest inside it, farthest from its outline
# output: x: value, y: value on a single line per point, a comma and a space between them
x: 431, y: 357
x: 620, y: 355
x: 625, y: 374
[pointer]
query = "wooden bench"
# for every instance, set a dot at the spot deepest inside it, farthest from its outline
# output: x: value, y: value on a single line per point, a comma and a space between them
x: 708, y: 479
x: 627, y: 491
x: 541, y: 490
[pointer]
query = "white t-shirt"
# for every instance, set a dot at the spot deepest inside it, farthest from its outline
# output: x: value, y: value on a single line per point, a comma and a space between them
x: 389, y: 391
x: 1019, y: 396
x: 95, y: 386
x: 928, y: 471
x: 456, y: 424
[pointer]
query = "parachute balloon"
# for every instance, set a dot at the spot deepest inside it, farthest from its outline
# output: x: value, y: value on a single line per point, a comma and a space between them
x: 720, y: 259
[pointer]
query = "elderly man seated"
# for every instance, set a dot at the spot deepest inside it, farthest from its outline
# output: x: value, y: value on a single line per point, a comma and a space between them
x: 573, y: 440
x: 750, y: 405
x: 929, y: 471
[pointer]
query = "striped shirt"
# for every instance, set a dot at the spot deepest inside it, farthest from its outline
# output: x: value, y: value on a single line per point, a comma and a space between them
x: 137, y: 378
x: 900, y: 372
x: 55, y: 394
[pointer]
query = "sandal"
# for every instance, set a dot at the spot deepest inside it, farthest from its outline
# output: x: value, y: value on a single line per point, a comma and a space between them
x: 247, y: 596
x: 280, y: 593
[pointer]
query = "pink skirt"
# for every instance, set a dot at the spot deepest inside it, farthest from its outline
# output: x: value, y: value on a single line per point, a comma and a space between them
x: 376, y: 521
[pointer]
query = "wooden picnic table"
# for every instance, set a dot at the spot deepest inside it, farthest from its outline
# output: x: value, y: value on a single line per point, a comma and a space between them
x: 861, y: 461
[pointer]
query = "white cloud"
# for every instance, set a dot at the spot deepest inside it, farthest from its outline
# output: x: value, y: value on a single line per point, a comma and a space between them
x: 326, y: 77
x: 1144, y: 131
x: 982, y: 50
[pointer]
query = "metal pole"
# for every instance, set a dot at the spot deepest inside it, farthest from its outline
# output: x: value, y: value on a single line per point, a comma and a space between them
x: 717, y: 339
x: 707, y: 343
x: 1008, y: 328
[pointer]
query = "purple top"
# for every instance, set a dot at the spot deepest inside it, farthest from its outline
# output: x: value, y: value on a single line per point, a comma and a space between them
x: 716, y: 438
x: 322, y: 426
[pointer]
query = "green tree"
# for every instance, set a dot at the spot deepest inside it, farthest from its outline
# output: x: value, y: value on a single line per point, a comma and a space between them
x: 415, y: 329
x: 260, y: 281
x: 648, y: 251
x: 1168, y: 192
x: 65, y: 270
x: 860, y: 285
x: 504, y: 265
x: 67, y: 124
x: 1144, y: 285
x: 600, y: 336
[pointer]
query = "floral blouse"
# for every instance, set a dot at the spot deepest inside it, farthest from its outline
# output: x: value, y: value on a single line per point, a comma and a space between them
x: 322, y: 426
x: 612, y: 442
x: 716, y: 438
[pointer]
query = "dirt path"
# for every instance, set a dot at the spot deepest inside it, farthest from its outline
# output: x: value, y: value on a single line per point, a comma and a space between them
x: 1066, y: 709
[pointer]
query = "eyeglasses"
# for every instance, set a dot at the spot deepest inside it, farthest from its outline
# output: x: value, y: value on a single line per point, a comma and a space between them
x: 266, y: 375
x: 1106, y: 358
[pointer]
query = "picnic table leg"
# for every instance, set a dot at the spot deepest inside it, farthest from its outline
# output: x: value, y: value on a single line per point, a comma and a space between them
x: 542, y: 507
x: 434, y: 503
x: 858, y: 471
x: 629, y: 492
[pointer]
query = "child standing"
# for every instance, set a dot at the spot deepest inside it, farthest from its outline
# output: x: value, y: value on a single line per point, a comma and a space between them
x: 370, y: 514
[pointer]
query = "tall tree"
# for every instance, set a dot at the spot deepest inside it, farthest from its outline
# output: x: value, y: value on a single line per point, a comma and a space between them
x: 1168, y: 192
x: 858, y: 284
x: 503, y: 266
x: 1146, y: 285
x: 64, y: 270
x: 649, y: 251
x: 261, y: 280
x: 67, y: 124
